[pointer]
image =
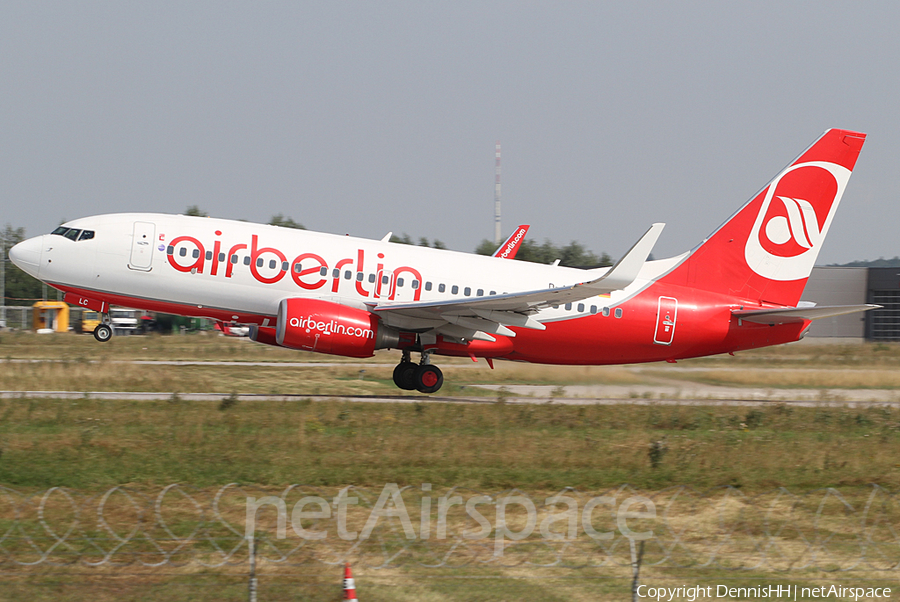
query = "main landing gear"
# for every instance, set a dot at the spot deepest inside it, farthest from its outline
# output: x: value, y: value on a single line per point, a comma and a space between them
x: 423, y: 377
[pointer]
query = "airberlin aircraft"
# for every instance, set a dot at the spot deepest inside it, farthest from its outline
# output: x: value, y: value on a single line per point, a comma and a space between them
x: 739, y: 289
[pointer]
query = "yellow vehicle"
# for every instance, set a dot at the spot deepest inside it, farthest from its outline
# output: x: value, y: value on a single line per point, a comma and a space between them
x: 51, y: 315
x: 89, y: 321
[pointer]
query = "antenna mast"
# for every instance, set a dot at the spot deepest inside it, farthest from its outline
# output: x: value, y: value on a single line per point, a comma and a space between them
x: 497, y: 198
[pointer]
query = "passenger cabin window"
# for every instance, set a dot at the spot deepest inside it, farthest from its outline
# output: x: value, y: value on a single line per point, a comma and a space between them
x: 323, y: 271
x: 209, y: 256
x: 247, y: 260
x: 348, y: 274
x: 605, y: 312
x: 182, y: 251
x: 359, y: 276
x: 170, y: 250
x: 428, y: 286
x: 196, y: 253
x: 618, y: 312
x: 415, y: 284
x: 580, y: 307
x: 568, y: 307
x: 221, y: 257
x: 480, y: 292
x: 454, y: 290
x: 272, y: 264
x: 593, y: 309
x: 259, y: 262
x: 298, y: 268
x: 399, y: 282
x: 467, y: 291
x: 372, y: 278
x: 442, y: 288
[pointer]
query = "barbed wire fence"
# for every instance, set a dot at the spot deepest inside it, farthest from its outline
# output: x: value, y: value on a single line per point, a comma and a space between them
x: 848, y: 530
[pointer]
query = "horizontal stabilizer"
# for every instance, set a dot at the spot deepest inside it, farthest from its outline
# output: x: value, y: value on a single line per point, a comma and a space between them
x: 790, y: 315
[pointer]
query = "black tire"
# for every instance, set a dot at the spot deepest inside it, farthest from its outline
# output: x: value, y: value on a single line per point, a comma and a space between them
x: 429, y: 378
x: 405, y: 376
x: 103, y: 333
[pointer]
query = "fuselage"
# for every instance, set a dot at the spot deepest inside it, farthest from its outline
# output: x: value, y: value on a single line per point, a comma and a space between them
x: 239, y: 272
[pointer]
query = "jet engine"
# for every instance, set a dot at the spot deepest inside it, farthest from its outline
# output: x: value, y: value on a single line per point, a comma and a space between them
x: 326, y: 327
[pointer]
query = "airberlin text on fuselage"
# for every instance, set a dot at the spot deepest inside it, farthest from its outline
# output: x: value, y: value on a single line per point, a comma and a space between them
x: 332, y: 327
x: 310, y: 276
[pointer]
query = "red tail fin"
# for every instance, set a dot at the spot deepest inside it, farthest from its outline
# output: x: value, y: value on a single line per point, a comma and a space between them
x: 767, y: 250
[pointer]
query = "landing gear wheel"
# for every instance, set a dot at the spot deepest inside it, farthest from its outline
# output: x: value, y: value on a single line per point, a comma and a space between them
x: 405, y: 376
x: 103, y: 333
x: 428, y: 378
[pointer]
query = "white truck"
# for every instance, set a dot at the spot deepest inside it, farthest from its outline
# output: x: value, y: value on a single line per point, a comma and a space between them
x: 124, y: 321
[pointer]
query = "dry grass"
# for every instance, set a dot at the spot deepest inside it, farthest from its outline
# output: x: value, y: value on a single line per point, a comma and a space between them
x: 886, y: 378
x: 90, y: 445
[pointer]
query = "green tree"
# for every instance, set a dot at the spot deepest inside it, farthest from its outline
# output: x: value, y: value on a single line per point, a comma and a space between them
x: 195, y: 211
x: 21, y: 289
x: 285, y: 222
x: 403, y: 240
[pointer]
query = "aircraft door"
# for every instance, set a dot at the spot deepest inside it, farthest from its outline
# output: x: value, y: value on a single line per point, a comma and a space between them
x: 667, y: 312
x: 142, y: 246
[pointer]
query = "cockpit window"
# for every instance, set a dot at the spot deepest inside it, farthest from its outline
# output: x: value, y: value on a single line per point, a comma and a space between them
x: 74, y: 233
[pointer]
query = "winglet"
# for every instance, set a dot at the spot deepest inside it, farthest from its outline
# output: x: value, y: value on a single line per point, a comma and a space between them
x: 626, y: 270
x: 511, y: 245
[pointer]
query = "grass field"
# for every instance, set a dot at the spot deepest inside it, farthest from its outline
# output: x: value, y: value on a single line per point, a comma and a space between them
x: 90, y: 445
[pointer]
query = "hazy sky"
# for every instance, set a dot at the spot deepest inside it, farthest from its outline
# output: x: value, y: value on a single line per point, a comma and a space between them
x: 365, y: 117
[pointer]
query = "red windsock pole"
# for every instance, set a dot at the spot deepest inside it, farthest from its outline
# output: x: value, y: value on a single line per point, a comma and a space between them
x: 349, y: 585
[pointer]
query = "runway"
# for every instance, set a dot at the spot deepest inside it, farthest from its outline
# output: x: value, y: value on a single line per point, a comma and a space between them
x: 520, y: 395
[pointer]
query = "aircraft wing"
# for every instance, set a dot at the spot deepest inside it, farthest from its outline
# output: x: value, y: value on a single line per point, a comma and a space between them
x: 473, y: 318
x: 798, y: 314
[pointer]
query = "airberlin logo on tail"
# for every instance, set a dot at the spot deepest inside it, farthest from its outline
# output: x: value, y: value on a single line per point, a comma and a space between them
x: 793, y: 220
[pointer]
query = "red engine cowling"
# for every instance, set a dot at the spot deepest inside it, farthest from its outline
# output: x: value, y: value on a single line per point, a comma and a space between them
x: 326, y: 327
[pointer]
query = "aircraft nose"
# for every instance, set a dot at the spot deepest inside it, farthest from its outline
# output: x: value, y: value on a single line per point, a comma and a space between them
x: 27, y: 255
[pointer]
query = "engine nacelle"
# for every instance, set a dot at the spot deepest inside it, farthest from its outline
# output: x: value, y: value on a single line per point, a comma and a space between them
x: 326, y: 327
x: 262, y: 334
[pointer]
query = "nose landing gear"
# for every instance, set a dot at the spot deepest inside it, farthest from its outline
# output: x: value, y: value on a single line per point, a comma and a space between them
x: 422, y: 377
x: 103, y: 331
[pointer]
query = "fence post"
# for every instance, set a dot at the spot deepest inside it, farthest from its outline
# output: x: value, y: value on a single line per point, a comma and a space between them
x: 637, y: 556
x: 251, y: 542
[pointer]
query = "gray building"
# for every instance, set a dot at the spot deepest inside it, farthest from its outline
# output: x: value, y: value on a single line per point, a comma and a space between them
x: 855, y: 286
x: 838, y: 286
x: 883, y: 288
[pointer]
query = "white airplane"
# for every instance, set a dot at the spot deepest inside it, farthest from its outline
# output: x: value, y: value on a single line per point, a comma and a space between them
x: 739, y: 289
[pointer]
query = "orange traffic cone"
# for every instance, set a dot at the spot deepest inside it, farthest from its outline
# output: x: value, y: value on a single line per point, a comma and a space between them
x: 349, y: 585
